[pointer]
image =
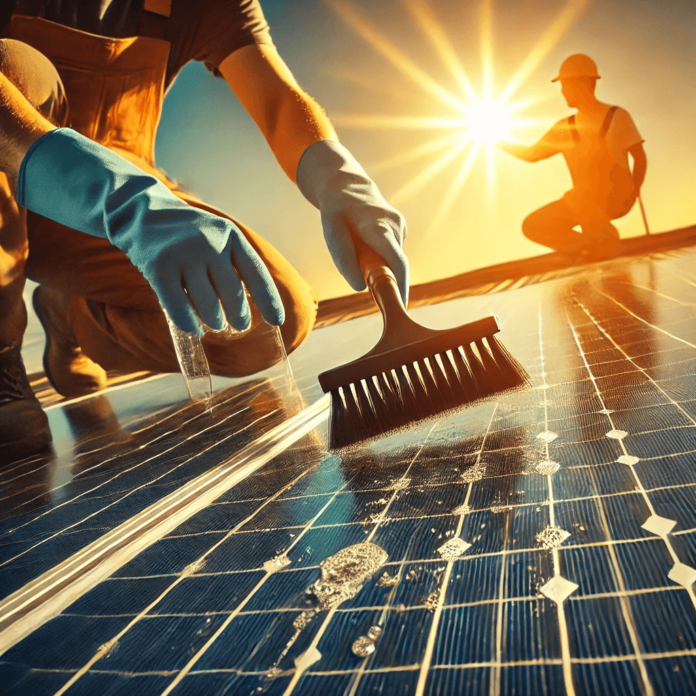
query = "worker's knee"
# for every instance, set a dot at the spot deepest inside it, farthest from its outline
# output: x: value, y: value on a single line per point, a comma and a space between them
x: 36, y: 78
x: 533, y: 227
x: 300, y: 303
x: 258, y: 349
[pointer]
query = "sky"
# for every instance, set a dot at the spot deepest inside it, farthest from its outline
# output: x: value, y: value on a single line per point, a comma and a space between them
x: 392, y: 76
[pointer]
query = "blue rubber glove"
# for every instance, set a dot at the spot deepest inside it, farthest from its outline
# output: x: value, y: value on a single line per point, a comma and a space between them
x: 331, y: 179
x: 186, y: 254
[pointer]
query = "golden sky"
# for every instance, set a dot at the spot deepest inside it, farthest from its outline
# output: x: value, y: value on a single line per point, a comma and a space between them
x: 401, y: 80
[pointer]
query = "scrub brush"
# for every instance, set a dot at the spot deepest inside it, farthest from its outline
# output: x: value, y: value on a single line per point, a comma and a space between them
x: 413, y: 373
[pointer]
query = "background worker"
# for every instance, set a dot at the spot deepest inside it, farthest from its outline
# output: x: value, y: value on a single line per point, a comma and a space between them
x: 110, y: 238
x: 595, y: 143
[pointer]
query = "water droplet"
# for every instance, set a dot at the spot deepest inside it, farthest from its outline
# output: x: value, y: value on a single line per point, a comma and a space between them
x: 374, y: 633
x: 344, y: 573
x: 363, y: 647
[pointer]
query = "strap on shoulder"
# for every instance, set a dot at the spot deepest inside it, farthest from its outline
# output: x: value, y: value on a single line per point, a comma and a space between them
x: 155, y: 18
x: 573, y: 128
x: 607, y: 121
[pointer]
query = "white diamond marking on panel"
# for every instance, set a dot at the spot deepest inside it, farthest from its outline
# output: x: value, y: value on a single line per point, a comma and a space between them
x: 658, y: 525
x: 547, y: 436
x: 617, y: 434
x: 682, y: 574
x: 307, y: 659
x: 551, y: 537
x: 547, y: 468
x: 453, y: 549
x: 627, y: 459
x: 558, y: 589
x: 276, y: 563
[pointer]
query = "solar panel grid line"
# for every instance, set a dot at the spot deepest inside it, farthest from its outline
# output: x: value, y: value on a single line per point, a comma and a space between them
x: 665, y: 538
x: 298, y: 674
x: 131, y: 492
x: 66, y: 581
x: 197, y: 656
x: 145, y: 612
x: 496, y: 668
x: 403, y: 668
x: 562, y: 622
x: 639, y: 318
x: 470, y: 665
x: 681, y: 303
x: 107, y: 390
x: 581, y: 449
x: 685, y: 278
x: 110, y: 460
x: 644, y: 371
x: 126, y: 454
x: 89, y: 471
x: 625, y: 607
x: 448, y: 605
x: 363, y: 667
x: 437, y: 615
x: 6, y: 481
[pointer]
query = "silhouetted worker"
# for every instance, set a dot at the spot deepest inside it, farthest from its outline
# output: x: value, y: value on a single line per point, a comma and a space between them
x: 595, y: 143
x: 110, y: 238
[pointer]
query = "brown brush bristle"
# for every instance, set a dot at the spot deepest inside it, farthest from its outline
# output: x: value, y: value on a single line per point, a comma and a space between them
x: 346, y: 418
x: 409, y: 394
x: 466, y: 378
x: 512, y: 373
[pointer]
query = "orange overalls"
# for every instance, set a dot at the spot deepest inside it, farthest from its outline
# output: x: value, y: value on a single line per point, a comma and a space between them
x: 114, y: 90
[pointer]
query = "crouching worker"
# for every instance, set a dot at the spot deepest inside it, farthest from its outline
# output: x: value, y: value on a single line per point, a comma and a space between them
x: 110, y: 239
x: 595, y: 143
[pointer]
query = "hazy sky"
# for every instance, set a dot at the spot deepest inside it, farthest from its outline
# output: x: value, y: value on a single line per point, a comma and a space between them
x: 646, y: 53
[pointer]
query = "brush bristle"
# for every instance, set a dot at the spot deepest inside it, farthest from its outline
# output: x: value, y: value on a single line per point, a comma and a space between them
x: 394, y: 400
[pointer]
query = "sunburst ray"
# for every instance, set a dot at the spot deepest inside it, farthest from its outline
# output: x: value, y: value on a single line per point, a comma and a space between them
x: 416, y: 153
x: 394, y: 54
x: 380, y: 121
x: 428, y: 174
x: 454, y: 189
x: 427, y: 22
x: 486, y: 29
x: 480, y: 117
x: 544, y: 46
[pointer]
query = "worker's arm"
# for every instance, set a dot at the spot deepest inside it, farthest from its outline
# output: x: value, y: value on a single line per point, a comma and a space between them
x: 20, y: 126
x: 640, y: 165
x: 555, y: 140
x: 307, y: 148
x: 541, y: 150
x: 185, y: 253
x: 288, y: 118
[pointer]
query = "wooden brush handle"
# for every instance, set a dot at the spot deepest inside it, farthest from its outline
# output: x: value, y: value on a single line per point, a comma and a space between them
x: 372, y: 265
x: 382, y: 285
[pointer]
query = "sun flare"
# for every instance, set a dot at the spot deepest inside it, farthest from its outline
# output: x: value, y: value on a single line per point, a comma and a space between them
x: 472, y: 122
x: 488, y: 122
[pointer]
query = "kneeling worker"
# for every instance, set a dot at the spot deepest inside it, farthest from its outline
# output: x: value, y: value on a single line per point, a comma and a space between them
x: 110, y: 238
x: 595, y: 143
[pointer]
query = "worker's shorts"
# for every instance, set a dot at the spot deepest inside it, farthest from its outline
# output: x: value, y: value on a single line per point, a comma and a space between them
x: 114, y: 313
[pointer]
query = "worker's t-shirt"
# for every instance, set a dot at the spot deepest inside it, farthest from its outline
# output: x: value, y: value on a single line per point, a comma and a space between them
x: 582, y: 155
x: 201, y: 30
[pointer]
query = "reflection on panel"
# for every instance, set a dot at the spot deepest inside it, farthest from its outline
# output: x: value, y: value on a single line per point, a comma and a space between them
x: 544, y: 543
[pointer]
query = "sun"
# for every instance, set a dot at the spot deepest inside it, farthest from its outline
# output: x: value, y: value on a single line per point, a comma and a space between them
x: 488, y: 122
x: 470, y: 121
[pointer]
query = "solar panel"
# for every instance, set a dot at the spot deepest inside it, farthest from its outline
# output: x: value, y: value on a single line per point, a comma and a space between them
x: 543, y: 543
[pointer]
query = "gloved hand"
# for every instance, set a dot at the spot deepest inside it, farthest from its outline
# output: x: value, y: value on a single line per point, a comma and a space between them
x: 186, y: 254
x: 331, y: 179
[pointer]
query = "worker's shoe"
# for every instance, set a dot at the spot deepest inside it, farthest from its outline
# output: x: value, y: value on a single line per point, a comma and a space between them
x: 67, y: 368
x: 23, y: 424
x: 603, y: 241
